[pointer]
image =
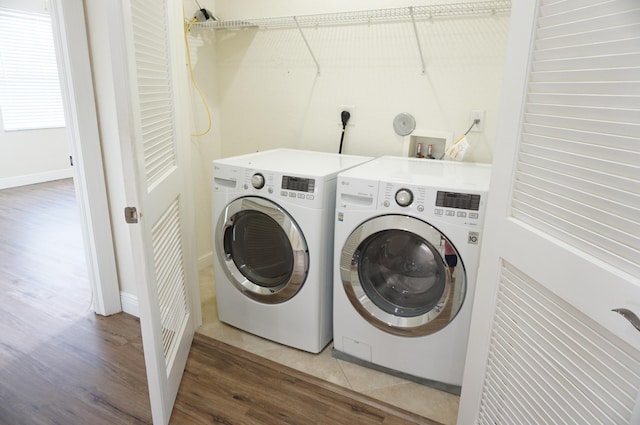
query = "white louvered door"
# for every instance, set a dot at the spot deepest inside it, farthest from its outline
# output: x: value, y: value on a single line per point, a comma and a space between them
x: 562, y: 237
x: 163, y: 239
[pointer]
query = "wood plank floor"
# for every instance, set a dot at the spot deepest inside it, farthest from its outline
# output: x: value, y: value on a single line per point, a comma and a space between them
x: 62, y: 364
x: 59, y: 362
x: 225, y: 385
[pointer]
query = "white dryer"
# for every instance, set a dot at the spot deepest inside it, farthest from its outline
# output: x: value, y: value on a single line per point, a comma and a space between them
x: 407, y: 244
x: 273, y: 236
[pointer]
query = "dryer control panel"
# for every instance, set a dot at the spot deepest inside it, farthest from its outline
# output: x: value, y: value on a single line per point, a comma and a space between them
x: 303, y: 190
x: 298, y: 184
x: 307, y: 191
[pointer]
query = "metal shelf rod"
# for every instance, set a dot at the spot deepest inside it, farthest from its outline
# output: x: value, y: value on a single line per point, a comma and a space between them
x: 415, y: 30
x: 411, y: 13
x: 367, y: 16
x: 308, y: 46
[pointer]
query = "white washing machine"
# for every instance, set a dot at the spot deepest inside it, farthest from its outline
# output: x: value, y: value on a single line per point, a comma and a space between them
x: 273, y: 236
x: 407, y: 244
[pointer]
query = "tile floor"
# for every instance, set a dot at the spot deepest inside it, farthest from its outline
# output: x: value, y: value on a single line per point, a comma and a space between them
x: 425, y: 401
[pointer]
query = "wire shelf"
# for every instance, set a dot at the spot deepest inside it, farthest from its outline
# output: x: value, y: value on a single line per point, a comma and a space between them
x: 367, y: 16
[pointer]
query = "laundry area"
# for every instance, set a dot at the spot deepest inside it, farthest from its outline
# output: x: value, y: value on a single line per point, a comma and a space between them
x: 297, y: 95
x: 417, y: 87
x: 414, y: 200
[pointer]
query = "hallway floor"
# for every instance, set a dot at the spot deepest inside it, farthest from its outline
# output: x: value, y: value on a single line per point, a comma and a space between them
x: 423, y: 400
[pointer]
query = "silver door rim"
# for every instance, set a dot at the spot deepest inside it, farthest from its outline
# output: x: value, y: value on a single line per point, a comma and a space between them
x: 270, y: 295
x: 423, y: 324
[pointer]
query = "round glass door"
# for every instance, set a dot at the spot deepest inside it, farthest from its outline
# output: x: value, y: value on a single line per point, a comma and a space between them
x: 262, y: 249
x: 403, y: 275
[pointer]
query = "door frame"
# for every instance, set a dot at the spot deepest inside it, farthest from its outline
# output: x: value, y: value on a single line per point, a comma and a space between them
x: 74, y: 67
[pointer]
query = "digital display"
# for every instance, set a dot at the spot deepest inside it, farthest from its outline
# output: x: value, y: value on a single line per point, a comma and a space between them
x: 463, y: 201
x: 299, y: 184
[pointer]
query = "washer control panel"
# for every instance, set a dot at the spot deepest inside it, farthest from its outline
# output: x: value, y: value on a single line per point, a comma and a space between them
x: 463, y: 208
x: 457, y: 200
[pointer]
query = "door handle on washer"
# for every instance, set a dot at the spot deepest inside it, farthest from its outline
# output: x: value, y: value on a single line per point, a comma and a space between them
x: 630, y: 316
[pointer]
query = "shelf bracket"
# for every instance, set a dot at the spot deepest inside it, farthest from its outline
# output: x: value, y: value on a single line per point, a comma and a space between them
x: 415, y: 30
x: 307, y: 43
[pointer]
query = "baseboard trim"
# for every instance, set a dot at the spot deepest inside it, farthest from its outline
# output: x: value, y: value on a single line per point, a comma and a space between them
x: 205, y: 260
x: 28, y: 179
x: 129, y: 303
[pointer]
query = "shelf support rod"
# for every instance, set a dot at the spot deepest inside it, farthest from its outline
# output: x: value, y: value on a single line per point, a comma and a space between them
x: 307, y: 43
x: 415, y: 30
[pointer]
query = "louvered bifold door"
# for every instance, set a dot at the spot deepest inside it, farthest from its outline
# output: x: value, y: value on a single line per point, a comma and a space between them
x: 561, y: 258
x: 159, y: 154
x: 552, y: 364
x: 579, y: 163
x: 168, y: 278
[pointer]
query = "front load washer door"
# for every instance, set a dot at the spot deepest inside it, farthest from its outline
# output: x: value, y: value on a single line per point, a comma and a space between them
x: 262, y: 250
x: 402, y: 275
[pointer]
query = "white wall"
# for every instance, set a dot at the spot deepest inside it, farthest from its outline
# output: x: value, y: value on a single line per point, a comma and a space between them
x: 270, y: 95
x: 263, y: 91
x: 207, y: 147
x: 32, y: 156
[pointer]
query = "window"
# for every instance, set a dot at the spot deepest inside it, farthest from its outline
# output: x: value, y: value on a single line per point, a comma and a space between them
x: 30, y: 96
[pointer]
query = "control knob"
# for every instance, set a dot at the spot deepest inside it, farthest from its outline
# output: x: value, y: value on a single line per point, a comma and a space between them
x: 257, y: 181
x: 404, y: 197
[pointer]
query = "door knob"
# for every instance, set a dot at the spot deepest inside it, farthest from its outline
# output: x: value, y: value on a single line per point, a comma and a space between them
x: 630, y: 316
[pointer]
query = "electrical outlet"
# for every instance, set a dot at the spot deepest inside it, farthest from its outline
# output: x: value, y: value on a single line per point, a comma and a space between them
x: 477, y: 115
x: 349, y: 108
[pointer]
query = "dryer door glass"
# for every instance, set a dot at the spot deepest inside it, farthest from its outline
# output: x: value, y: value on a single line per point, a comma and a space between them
x: 402, y: 275
x: 260, y: 249
x: 263, y: 250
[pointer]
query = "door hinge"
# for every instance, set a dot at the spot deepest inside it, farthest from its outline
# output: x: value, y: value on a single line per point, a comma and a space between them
x: 130, y: 215
x: 71, y: 160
